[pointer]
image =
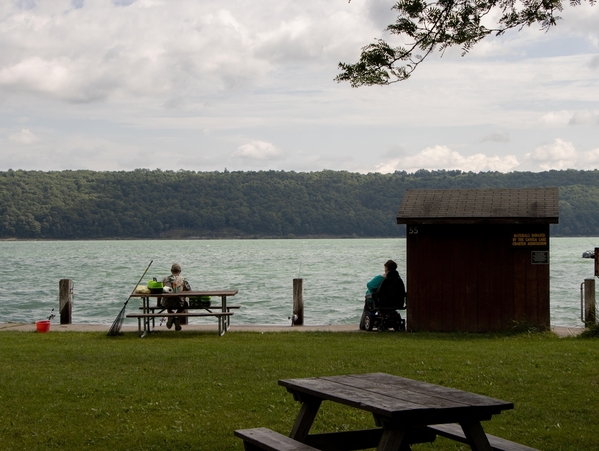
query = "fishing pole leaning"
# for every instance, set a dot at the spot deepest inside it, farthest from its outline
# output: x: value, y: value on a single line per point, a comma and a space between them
x: 115, y: 329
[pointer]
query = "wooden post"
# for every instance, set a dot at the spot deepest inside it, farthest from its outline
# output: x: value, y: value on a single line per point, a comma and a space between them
x: 298, y: 303
x: 65, y: 297
x: 589, y: 302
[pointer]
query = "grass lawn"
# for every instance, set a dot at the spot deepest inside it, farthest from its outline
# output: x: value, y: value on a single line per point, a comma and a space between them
x: 189, y: 391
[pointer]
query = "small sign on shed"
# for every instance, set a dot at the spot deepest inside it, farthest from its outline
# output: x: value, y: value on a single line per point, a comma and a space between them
x: 478, y: 259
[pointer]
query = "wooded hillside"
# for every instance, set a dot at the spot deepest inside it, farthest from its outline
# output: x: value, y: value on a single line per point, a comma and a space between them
x: 159, y: 204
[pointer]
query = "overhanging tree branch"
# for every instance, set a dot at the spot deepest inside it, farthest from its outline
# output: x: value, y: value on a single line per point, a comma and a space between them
x: 441, y: 24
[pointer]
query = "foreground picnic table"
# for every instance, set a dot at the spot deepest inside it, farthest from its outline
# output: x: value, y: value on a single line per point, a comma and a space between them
x: 146, y: 319
x: 406, y: 411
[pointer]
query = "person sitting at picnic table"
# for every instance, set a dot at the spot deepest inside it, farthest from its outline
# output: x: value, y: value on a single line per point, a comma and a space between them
x: 375, y: 283
x: 178, y: 284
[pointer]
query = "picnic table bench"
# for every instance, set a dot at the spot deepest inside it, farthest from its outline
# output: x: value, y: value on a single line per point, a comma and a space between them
x: 208, y: 308
x: 455, y: 432
x: 146, y: 319
x: 405, y: 411
x: 141, y: 317
x: 269, y: 440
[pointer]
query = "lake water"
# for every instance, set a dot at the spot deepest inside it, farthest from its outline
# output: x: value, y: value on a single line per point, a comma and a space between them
x: 335, y: 272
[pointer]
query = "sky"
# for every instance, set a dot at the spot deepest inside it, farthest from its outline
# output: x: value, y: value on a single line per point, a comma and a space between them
x: 116, y: 85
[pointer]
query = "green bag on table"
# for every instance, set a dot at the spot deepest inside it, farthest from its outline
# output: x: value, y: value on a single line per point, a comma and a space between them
x: 199, y: 301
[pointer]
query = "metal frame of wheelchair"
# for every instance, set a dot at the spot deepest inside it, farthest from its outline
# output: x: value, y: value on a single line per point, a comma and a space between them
x: 376, y: 317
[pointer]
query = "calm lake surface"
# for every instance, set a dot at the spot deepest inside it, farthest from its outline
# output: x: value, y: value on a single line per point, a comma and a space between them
x: 335, y: 272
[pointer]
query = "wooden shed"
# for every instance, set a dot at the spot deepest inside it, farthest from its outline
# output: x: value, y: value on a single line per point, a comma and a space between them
x: 478, y: 259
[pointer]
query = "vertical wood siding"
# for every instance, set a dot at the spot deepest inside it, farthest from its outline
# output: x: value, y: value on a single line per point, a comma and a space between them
x: 471, y: 278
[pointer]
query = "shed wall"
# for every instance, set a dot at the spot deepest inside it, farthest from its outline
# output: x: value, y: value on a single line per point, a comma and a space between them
x: 477, y: 278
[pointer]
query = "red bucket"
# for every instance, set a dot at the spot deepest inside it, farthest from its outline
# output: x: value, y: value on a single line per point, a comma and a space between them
x: 43, y: 326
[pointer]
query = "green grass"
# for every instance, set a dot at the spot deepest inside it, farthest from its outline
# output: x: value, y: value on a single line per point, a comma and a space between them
x: 73, y: 391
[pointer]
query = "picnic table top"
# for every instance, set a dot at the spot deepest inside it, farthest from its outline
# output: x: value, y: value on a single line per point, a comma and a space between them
x: 400, y: 400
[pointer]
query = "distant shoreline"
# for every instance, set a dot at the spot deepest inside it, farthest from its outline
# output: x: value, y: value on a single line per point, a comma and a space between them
x: 199, y: 238
x: 248, y: 238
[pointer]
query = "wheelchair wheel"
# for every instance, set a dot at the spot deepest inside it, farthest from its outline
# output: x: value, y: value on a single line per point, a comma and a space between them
x: 362, y: 319
x: 368, y: 322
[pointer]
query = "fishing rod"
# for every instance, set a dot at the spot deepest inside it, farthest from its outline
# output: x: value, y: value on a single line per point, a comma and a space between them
x: 118, y: 322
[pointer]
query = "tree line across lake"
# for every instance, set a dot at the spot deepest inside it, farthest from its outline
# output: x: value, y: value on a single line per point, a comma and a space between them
x: 184, y: 204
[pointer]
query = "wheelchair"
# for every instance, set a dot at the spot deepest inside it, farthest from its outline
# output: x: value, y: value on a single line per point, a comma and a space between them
x: 381, y: 307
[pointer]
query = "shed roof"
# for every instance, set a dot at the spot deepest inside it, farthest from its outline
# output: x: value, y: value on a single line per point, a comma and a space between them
x: 491, y: 206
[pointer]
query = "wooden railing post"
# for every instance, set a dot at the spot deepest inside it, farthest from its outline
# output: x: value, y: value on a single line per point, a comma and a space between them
x: 65, y: 297
x: 298, y: 303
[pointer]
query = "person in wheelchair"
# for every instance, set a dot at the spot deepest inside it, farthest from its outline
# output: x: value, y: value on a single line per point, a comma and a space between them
x: 385, y: 295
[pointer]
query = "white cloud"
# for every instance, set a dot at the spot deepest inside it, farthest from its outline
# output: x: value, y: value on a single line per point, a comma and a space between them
x: 101, y: 50
x: 591, y: 158
x: 38, y: 75
x: 258, y: 150
x: 25, y: 136
x: 95, y: 50
x: 559, y: 154
x: 566, y: 118
x: 556, y: 118
x: 442, y: 157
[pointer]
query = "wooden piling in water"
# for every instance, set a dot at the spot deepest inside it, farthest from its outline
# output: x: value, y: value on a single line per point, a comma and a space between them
x: 65, y: 300
x: 589, y: 302
x: 298, y: 303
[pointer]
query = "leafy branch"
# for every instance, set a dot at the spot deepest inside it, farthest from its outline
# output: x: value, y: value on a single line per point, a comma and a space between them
x: 439, y: 25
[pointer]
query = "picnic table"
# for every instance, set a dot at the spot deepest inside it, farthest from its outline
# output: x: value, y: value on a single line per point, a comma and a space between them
x: 150, y: 311
x: 405, y: 411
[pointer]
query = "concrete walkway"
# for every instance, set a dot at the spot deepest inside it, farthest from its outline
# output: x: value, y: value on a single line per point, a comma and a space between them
x: 24, y: 327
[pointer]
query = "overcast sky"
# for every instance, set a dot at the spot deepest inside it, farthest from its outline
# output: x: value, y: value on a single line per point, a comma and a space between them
x: 243, y: 85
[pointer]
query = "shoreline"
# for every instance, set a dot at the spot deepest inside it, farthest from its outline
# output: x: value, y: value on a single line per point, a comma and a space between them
x: 560, y: 331
x: 218, y: 238
x: 237, y: 238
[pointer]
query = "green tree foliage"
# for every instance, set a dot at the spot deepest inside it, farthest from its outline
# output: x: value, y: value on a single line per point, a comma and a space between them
x: 167, y: 204
x: 426, y: 26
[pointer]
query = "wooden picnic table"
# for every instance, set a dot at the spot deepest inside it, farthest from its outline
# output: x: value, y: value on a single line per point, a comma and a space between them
x: 400, y: 406
x: 146, y: 319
